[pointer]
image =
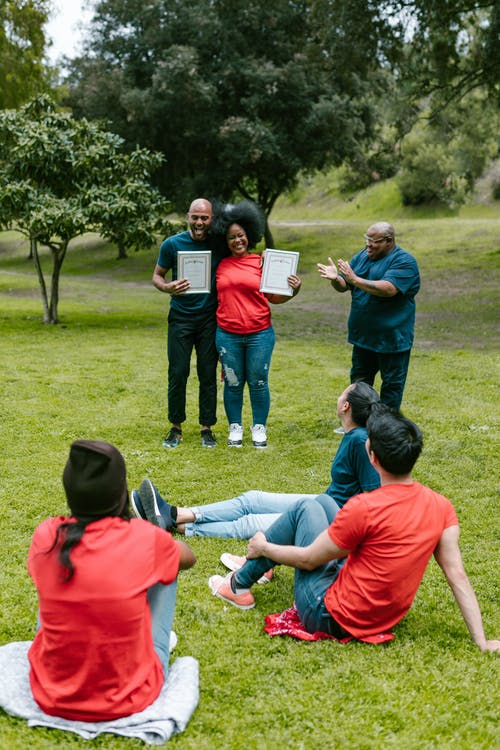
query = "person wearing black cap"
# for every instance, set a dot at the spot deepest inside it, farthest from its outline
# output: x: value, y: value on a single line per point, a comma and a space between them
x: 106, y: 586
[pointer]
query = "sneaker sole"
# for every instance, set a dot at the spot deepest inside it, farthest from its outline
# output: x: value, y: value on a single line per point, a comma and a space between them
x: 260, y: 445
x: 135, y: 508
x: 229, y: 563
x: 148, y: 502
x: 234, y: 445
x: 216, y: 593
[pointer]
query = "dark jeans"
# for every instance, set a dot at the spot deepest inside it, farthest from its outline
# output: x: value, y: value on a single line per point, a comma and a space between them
x: 300, y: 526
x: 393, y: 368
x: 186, y: 332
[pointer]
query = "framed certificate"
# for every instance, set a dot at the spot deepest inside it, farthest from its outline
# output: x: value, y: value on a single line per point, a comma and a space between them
x: 196, y: 268
x: 277, y: 267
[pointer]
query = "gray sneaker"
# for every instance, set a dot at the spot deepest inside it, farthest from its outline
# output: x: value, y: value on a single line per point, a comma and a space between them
x: 173, y: 438
x: 208, y: 438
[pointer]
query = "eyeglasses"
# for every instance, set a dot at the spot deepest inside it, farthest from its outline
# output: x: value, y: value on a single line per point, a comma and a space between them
x: 374, y: 242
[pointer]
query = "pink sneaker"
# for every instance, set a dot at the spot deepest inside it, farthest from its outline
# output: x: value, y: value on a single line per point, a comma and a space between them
x: 221, y: 587
x: 234, y: 562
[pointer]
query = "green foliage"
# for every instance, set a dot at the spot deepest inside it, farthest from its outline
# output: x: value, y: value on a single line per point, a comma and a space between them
x: 242, y: 97
x: 238, y: 108
x: 22, y: 46
x: 453, y: 48
x: 442, y: 159
x: 102, y: 375
x: 60, y: 177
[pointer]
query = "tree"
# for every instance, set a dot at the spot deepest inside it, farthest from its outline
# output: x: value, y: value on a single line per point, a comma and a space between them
x: 22, y: 46
x: 60, y: 177
x: 240, y: 95
x: 453, y: 48
x: 441, y: 159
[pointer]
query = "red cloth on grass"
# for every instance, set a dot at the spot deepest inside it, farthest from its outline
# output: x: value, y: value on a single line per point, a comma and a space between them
x: 289, y: 623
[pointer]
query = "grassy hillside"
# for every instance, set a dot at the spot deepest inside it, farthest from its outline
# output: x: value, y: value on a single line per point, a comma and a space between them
x: 319, y: 198
x: 101, y: 374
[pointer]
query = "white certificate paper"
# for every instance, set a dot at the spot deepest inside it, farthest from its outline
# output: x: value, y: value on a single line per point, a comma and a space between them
x: 196, y: 267
x: 278, y: 266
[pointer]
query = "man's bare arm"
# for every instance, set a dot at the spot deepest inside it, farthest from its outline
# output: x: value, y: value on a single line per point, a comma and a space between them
x: 448, y: 557
x: 379, y: 288
x: 321, y: 551
x: 169, y: 287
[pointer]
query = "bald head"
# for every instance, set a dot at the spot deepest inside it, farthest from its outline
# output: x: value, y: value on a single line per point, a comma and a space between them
x: 200, y: 205
x: 199, y: 218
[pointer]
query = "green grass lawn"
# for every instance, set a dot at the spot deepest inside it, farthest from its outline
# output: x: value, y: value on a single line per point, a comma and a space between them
x: 101, y: 374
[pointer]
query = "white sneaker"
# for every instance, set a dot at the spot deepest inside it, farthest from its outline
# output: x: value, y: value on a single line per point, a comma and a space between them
x: 235, y: 439
x: 259, y: 436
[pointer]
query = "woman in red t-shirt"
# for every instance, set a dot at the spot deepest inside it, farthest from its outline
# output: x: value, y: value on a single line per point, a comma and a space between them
x: 245, y: 336
x: 106, y: 587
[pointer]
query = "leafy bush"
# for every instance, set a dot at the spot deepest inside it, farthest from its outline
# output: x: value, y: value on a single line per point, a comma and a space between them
x: 442, y: 159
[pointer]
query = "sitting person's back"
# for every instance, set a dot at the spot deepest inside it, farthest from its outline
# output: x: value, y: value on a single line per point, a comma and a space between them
x: 96, y: 572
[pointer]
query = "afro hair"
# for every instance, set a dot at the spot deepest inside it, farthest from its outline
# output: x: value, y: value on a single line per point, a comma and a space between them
x: 247, y: 214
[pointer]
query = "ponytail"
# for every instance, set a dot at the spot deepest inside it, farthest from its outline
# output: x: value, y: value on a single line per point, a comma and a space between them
x: 363, y: 400
x: 68, y: 536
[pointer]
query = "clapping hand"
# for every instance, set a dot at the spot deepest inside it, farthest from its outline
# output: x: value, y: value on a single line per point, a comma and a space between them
x: 329, y: 271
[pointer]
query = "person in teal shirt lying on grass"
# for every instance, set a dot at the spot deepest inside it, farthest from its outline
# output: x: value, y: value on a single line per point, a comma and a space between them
x: 242, y: 516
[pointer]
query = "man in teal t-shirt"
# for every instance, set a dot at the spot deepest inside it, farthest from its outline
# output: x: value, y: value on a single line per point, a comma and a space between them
x: 191, y: 324
x: 383, y: 280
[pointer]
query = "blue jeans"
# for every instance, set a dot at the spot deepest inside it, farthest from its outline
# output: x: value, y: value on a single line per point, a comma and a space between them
x: 161, y: 601
x: 241, y: 517
x: 300, y: 526
x: 246, y: 358
x: 393, y: 368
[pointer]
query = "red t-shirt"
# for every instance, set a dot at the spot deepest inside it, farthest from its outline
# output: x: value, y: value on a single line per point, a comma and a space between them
x: 241, y: 307
x: 93, y: 658
x: 391, y: 533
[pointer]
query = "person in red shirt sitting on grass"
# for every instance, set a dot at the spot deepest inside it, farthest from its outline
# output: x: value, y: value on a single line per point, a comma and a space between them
x: 106, y: 586
x: 358, y: 569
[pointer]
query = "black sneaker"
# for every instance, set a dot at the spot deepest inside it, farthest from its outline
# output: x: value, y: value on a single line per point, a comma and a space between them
x: 173, y: 438
x: 208, y: 438
x: 154, y: 507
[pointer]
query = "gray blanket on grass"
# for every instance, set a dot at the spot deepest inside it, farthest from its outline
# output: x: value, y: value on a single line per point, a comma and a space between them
x: 168, y: 715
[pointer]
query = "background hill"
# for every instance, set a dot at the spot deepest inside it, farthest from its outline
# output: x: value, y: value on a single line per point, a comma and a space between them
x: 318, y: 197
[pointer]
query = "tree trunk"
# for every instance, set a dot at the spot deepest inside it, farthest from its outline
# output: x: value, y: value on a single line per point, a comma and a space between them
x: 268, y: 235
x: 58, y: 252
x: 122, y: 251
x: 41, y: 280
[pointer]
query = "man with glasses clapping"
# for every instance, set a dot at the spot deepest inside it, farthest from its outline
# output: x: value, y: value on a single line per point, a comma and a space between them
x: 383, y: 280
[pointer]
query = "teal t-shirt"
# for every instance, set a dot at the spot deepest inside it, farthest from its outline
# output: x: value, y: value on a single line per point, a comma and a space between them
x: 352, y: 471
x: 384, y: 324
x: 167, y: 259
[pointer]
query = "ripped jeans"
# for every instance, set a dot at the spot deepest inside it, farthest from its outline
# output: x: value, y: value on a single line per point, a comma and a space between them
x: 246, y: 358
